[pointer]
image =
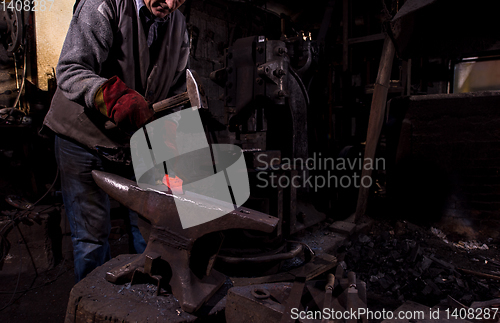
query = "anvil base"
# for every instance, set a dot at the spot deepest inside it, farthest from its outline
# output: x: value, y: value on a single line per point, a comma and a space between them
x: 94, y: 299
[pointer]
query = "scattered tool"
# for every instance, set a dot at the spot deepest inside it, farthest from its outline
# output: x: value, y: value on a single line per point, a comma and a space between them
x: 330, y: 282
x: 354, y: 295
x: 293, y: 300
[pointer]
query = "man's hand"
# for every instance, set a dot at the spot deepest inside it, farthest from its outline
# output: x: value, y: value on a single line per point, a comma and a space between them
x: 127, y: 108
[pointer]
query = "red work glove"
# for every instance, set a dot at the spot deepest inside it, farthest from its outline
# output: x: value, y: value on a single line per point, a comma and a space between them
x: 127, y: 108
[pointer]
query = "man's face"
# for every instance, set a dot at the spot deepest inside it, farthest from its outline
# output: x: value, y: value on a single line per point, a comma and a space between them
x: 161, y: 8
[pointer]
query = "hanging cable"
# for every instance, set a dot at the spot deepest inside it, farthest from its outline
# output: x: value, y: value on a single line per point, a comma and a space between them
x: 14, y: 221
x: 23, y: 80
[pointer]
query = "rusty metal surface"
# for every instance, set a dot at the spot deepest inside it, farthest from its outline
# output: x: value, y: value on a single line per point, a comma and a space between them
x: 267, y: 302
x: 320, y: 264
x: 94, y: 299
x: 173, y: 243
x: 11, y: 28
x: 261, y: 259
x: 293, y: 300
x: 244, y: 307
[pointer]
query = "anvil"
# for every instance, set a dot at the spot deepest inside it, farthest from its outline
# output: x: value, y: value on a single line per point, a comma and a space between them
x: 169, y: 242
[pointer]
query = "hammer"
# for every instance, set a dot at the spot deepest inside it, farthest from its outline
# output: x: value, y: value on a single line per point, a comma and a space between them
x: 195, y: 94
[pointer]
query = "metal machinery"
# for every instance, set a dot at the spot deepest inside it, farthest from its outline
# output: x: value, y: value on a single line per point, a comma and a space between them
x: 11, y: 28
x: 17, y: 115
x: 266, y: 113
x: 12, y: 36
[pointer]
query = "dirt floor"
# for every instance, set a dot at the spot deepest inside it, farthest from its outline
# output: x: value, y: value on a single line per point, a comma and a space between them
x: 29, y: 297
x: 37, y: 299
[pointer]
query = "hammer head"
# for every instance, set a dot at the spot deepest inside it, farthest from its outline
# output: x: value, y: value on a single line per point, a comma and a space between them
x: 195, y: 90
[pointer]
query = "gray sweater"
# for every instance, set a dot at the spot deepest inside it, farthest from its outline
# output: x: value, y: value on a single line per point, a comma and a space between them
x: 106, y: 38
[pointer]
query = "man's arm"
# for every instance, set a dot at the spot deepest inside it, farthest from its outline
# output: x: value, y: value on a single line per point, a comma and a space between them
x: 86, y: 47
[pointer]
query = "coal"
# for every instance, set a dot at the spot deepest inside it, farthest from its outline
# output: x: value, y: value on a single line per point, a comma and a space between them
x: 425, y: 264
x: 386, y: 282
x: 364, y: 238
x: 410, y: 263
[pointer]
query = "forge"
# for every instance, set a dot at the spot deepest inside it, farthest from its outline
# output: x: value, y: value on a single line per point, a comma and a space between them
x: 329, y: 155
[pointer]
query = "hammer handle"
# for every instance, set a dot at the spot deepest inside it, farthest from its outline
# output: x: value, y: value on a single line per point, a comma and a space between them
x: 172, y: 102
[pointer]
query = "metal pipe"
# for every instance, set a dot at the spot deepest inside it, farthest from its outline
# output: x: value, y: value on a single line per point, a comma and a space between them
x: 260, y: 259
x: 306, y: 66
x: 22, y: 83
x: 301, y: 84
x: 15, y: 70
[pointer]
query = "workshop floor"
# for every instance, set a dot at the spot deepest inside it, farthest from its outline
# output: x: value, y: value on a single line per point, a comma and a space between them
x: 26, y: 296
x: 40, y: 299
x: 398, y: 260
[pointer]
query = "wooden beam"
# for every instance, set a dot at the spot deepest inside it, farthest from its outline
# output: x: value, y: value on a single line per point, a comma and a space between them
x: 377, y: 113
x: 366, y: 39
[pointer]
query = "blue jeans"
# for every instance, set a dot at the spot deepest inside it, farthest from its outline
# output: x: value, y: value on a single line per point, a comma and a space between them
x: 87, y: 205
